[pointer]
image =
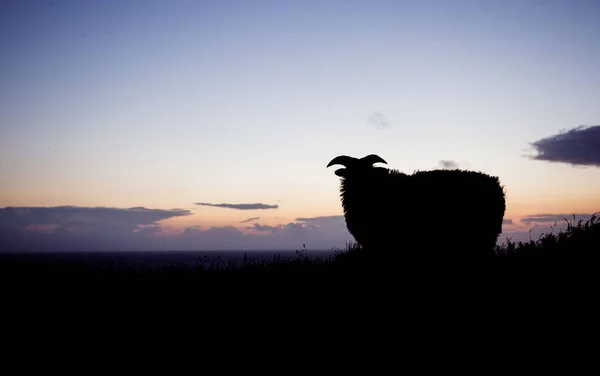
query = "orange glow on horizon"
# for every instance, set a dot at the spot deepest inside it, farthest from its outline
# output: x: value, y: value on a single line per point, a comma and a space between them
x: 206, y: 217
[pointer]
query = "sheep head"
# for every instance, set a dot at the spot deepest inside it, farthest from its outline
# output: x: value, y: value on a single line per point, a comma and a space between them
x: 356, y: 167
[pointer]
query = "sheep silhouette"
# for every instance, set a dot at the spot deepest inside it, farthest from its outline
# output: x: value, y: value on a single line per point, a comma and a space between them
x: 428, y: 213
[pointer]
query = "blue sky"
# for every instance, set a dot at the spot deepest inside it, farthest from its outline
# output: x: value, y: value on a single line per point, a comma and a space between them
x: 163, y: 104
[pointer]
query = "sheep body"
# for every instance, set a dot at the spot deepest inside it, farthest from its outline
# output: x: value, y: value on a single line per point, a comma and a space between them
x: 438, y: 210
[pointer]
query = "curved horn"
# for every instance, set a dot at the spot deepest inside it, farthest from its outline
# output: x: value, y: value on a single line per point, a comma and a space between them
x: 372, y: 159
x: 343, y: 160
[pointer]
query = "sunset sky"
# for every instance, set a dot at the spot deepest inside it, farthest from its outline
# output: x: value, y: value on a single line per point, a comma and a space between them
x: 119, y: 119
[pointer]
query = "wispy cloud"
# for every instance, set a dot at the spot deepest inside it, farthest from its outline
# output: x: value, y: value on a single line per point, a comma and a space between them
x: 551, y: 218
x: 250, y: 219
x: 324, y: 221
x: 265, y: 228
x: 378, y: 121
x: 448, y: 165
x: 257, y: 206
x: 507, y: 221
x: 579, y: 146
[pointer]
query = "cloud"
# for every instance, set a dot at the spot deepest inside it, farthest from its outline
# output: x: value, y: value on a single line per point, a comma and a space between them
x: 551, y: 218
x: 325, y: 221
x: 329, y: 223
x: 579, y: 146
x: 240, y: 206
x: 191, y: 230
x: 81, y: 228
x: 93, y: 229
x: 86, y: 218
x: 378, y: 120
x: 250, y: 219
x: 149, y: 230
x: 449, y: 165
x: 265, y: 228
x: 72, y: 228
x: 217, y: 238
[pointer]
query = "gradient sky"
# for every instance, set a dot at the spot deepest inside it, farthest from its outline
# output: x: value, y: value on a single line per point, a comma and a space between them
x: 164, y: 104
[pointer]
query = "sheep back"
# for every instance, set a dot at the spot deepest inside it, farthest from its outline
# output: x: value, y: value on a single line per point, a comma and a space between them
x: 428, y: 211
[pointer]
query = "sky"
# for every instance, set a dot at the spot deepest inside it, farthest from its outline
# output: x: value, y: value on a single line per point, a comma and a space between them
x: 209, y: 124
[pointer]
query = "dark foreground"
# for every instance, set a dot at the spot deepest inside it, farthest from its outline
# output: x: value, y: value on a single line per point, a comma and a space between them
x: 541, y: 290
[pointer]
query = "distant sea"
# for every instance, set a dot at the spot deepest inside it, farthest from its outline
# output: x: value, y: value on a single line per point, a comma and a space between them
x: 152, y: 259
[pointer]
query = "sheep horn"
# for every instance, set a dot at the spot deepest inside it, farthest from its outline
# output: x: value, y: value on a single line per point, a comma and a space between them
x: 372, y: 159
x: 343, y: 160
